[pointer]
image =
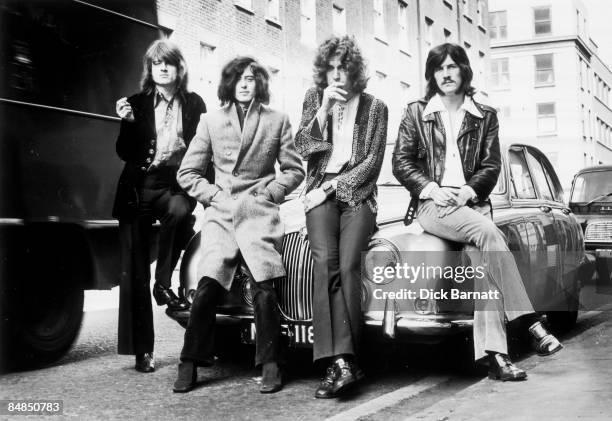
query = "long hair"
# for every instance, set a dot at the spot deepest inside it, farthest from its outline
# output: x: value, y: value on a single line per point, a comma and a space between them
x: 350, y: 56
x: 163, y: 50
x: 436, y: 57
x: 231, y: 73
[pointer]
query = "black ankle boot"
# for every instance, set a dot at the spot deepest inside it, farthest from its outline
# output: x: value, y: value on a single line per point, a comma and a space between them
x: 501, y: 368
x: 187, y: 376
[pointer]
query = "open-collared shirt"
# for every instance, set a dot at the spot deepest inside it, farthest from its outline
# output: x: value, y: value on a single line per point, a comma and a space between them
x: 169, y: 127
x: 343, y: 120
x: 453, y: 168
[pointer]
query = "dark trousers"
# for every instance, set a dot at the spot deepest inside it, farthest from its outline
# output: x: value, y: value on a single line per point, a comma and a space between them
x: 159, y: 198
x: 338, y: 234
x: 199, y: 335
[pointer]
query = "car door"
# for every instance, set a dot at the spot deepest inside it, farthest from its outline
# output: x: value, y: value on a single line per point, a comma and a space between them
x: 566, y: 228
x: 534, y: 205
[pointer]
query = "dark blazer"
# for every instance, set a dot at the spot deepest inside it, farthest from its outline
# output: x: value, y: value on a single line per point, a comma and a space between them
x: 137, y: 145
x: 357, y: 183
x: 420, y: 150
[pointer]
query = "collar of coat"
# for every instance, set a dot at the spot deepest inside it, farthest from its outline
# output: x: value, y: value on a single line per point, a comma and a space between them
x: 435, y: 104
x: 249, y: 127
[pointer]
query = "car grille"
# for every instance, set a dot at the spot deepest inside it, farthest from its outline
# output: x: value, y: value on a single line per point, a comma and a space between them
x: 295, y: 290
x: 599, y: 231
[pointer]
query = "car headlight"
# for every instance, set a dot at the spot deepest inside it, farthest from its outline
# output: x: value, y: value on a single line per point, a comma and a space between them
x: 381, y: 254
x: 598, y: 231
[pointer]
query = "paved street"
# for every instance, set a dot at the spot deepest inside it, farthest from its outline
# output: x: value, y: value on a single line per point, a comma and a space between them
x: 95, y: 383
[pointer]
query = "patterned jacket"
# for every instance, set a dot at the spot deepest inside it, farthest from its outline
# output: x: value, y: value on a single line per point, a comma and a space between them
x: 357, y: 182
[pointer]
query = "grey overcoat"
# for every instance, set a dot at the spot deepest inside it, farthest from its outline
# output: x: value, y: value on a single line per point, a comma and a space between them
x: 243, y: 217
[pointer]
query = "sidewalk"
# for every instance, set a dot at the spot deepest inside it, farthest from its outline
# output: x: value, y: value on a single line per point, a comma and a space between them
x: 574, y: 384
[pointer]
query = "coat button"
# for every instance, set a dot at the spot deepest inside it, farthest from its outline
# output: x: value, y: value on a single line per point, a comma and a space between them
x: 151, y: 151
x: 228, y: 153
x: 148, y: 160
x: 152, y: 141
x: 255, y: 193
x: 235, y: 173
x: 143, y: 168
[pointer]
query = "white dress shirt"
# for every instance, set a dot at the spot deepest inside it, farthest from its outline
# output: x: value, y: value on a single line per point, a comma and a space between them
x: 453, y: 169
x: 343, y: 120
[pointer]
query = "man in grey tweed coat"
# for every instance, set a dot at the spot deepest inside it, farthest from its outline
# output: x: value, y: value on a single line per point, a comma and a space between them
x: 243, y: 140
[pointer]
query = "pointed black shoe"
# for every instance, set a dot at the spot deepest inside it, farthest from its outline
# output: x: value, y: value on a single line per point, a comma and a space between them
x: 187, y: 376
x: 501, y: 368
x: 165, y: 296
x: 271, y: 378
x: 325, y: 389
x: 145, y: 363
x: 345, y: 376
x: 544, y: 342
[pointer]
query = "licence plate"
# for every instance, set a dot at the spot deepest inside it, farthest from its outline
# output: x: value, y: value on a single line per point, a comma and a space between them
x: 603, y: 253
x: 300, y: 334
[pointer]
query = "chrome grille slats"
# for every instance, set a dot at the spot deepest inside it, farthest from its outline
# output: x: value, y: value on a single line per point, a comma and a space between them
x: 599, y: 231
x: 295, y: 290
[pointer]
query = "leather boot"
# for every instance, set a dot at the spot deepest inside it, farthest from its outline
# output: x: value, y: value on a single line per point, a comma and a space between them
x: 501, y: 368
x: 187, y: 376
x: 165, y: 295
x: 325, y: 389
x: 346, y: 375
x: 544, y: 342
x: 145, y: 363
x: 271, y: 378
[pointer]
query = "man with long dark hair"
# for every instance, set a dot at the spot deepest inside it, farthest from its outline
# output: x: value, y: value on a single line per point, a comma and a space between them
x: 157, y: 125
x: 342, y: 135
x: 243, y: 141
x: 447, y: 155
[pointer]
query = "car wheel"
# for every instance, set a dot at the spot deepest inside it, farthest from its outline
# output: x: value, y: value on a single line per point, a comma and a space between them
x: 45, y: 324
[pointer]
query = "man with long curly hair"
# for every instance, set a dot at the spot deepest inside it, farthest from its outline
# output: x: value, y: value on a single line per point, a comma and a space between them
x: 342, y: 135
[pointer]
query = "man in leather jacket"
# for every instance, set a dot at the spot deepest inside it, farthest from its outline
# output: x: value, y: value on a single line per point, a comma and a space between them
x: 450, y: 182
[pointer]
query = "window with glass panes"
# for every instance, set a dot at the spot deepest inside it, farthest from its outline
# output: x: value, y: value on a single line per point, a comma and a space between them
x: 498, y: 25
x: 542, y: 20
x: 547, y: 118
x: 500, y: 75
x: 544, y: 71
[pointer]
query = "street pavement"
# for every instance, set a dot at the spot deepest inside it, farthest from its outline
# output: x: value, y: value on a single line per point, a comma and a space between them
x: 420, y: 384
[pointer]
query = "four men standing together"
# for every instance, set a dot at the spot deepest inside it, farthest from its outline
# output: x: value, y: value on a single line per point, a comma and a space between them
x: 447, y: 155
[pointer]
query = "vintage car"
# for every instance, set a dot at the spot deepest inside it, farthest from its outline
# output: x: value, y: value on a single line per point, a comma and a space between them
x: 591, y: 202
x: 528, y: 207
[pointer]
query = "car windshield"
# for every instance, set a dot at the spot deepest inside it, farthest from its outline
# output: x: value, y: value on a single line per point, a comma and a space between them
x: 591, y: 186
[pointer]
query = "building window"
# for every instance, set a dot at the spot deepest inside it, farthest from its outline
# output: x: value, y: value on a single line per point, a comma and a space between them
x: 308, y: 30
x: 339, y: 20
x: 481, y: 71
x: 273, y: 11
x: 500, y: 76
x: 379, y: 19
x: 402, y: 21
x: 428, y: 32
x: 208, y: 71
x: 542, y: 20
x: 544, y: 74
x: 498, y: 25
x: 547, y: 118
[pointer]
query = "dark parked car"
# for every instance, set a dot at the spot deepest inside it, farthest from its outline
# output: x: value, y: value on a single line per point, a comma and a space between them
x: 591, y: 202
x: 527, y: 206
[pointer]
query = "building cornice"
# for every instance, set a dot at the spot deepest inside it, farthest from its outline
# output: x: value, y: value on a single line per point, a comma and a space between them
x: 544, y: 41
